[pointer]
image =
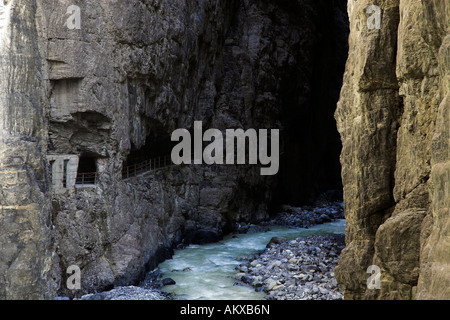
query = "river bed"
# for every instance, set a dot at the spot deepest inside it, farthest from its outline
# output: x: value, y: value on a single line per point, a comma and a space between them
x: 206, y: 272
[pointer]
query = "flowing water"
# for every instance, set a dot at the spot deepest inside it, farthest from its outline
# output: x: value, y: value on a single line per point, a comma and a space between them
x: 206, y: 272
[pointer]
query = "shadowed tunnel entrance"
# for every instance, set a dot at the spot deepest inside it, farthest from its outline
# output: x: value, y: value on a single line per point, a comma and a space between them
x: 154, y: 154
x: 310, y: 142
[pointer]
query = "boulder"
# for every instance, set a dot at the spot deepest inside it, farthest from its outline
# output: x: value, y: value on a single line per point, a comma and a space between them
x: 325, y: 218
x: 168, y: 282
x: 275, y: 240
x: 204, y: 236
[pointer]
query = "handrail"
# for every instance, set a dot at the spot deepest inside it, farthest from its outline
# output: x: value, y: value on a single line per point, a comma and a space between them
x: 149, y: 165
x: 146, y: 166
x: 89, y: 178
x: 130, y: 171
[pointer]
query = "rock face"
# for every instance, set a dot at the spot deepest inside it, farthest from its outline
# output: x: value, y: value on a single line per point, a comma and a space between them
x: 393, y: 116
x: 100, y: 86
x: 26, y: 246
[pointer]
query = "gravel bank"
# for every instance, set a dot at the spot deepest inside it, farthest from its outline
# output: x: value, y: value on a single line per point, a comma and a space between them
x: 127, y: 293
x: 300, y: 269
x: 305, y: 216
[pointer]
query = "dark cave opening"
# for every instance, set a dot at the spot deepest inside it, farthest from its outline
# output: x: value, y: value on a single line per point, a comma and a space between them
x: 87, y: 170
x: 87, y: 164
x: 310, y: 143
x: 157, y: 144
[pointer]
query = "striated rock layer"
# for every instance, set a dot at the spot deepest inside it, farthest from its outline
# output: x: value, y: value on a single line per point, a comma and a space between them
x: 393, y: 116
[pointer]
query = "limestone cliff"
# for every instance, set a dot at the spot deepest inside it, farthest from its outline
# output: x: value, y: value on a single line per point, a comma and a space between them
x: 393, y: 117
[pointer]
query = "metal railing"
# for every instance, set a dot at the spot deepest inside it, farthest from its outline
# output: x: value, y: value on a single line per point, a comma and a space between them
x: 85, y: 179
x: 146, y: 166
x: 91, y: 178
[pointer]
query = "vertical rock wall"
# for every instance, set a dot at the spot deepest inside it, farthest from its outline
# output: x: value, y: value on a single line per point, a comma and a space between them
x: 393, y: 119
x: 434, y: 277
x: 26, y: 246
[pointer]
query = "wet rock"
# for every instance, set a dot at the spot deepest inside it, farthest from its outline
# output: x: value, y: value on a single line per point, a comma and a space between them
x: 246, y: 279
x: 205, y: 236
x: 168, y: 282
x: 243, y: 269
x: 325, y: 218
x: 275, y: 240
x: 257, y: 228
x: 238, y: 276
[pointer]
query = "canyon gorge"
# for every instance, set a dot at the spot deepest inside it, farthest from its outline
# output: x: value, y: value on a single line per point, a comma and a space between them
x: 89, y: 100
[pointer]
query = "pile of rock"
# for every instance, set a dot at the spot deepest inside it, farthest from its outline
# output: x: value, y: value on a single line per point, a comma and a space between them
x: 127, y: 293
x: 300, y: 269
x: 306, y: 216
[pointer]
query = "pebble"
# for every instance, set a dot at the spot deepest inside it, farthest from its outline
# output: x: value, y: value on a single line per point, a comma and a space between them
x: 275, y: 264
x: 239, y: 275
x: 301, y: 269
x: 271, y: 285
x: 243, y: 269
